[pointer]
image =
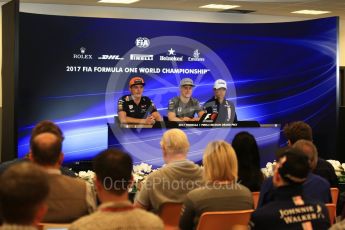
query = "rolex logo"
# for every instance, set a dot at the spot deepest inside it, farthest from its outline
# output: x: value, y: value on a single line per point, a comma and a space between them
x: 82, y: 54
x: 82, y: 50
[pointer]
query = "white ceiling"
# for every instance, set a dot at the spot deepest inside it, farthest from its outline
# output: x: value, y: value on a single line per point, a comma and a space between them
x: 266, y: 7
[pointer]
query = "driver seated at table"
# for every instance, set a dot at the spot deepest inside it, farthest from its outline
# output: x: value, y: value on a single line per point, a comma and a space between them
x: 218, y: 106
x: 184, y: 107
x: 136, y: 108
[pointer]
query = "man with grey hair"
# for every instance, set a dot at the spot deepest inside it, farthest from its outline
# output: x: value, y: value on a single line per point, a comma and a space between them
x: 172, y: 182
x: 184, y: 107
x: 309, y: 149
x: 318, y: 165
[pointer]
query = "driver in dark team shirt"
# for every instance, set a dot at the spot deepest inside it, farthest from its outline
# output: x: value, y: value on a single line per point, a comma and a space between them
x: 218, y: 108
x: 136, y: 108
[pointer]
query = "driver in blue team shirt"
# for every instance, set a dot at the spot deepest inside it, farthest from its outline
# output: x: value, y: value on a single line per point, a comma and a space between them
x: 218, y: 108
x: 136, y: 108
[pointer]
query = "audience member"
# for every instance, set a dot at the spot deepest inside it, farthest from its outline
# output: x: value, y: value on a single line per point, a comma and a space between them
x: 50, y: 127
x: 309, y: 149
x: 46, y: 127
x: 113, y: 170
x: 221, y: 191
x: 338, y: 226
x: 69, y: 198
x: 300, y: 130
x: 297, y: 130
x: 172, y: 182
x: 314, y: 187
x: 290, y: 209
x: 248, y: 157
x: 42, y: 127
x: 23, y: 192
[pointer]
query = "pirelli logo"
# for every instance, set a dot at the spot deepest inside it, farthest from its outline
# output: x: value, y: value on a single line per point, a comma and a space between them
x: 141, y: 57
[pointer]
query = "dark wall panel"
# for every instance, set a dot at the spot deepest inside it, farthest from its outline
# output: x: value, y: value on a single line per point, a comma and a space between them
x: 10, y: 17
x: 341, y: 120
x: 342, y: 85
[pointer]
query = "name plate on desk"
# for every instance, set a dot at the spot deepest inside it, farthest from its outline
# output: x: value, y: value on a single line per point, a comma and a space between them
x: 135, y: 126
x: 210, y: 125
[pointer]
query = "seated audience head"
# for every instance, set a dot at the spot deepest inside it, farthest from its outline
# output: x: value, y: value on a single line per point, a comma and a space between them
x: 247, y: 150
x: 296, y: 131
x: 291, y: 168
x: 113, y: 170
x: 23, y: 191
x: 220, y: 162
x: 175, y: 145
x: 46, y: 150
x: 309, y: 149
x: 46, y: 127
x: 248, y: 157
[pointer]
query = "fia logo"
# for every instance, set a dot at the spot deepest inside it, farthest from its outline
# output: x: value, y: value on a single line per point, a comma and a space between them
x: 130, y: 106
x: 142, y: 42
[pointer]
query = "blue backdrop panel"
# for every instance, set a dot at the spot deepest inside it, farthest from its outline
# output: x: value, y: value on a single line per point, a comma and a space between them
x: 73, y: 70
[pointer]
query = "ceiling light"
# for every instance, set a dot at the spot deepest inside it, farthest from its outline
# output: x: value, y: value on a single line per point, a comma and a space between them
x: 219, y: 6
x: 314, y: 12
x: 119, y: 1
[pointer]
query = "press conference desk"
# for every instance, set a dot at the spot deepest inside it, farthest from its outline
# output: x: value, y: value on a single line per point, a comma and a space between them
x: 142, y: 141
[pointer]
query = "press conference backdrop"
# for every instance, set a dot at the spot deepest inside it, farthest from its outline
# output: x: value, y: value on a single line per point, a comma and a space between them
x: 74, y: 69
